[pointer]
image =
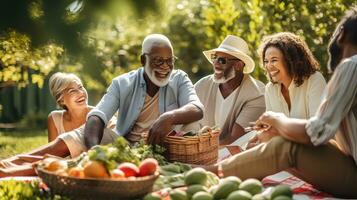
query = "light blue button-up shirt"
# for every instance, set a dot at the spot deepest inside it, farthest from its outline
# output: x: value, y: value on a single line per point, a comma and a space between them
x: 127, y: 92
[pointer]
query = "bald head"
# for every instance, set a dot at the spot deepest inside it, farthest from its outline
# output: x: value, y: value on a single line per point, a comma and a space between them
x: 155, y: 40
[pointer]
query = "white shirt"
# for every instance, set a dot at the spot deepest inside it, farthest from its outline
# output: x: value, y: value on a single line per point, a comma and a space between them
x: 223, y: 106
x: 304, y: 99
x: 337, y: 114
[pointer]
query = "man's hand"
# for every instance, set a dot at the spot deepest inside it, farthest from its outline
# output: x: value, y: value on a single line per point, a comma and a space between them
x: 93, y: 131
x: 161, y: 128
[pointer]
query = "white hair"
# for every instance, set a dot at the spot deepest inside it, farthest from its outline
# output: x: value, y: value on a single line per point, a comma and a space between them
x: 154, y: 40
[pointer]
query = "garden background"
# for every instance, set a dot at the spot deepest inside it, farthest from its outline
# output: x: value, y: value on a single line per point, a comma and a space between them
x: 99, y: 40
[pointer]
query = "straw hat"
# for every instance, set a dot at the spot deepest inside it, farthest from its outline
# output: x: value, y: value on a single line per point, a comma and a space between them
x: 236, y: 47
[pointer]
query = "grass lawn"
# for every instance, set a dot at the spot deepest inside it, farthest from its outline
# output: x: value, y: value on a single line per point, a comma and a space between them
x: 14, y: 142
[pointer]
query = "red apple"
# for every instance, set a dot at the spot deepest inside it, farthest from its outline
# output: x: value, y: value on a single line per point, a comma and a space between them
x: 148, y: 167
x: 129, y: 169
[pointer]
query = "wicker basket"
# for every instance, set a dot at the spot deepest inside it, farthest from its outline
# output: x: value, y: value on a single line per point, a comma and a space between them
x: 89, y: 188
x: 201, y: 149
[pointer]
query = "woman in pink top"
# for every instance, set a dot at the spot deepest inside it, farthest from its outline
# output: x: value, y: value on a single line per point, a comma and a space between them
x: 69, y: 93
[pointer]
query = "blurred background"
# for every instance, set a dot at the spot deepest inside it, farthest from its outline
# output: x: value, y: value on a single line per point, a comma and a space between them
x: 101, y: 39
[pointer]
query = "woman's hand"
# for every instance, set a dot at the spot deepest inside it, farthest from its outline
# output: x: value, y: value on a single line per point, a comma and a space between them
x: 269, y: 118
x: 266, y: 128
x: 262, y: 137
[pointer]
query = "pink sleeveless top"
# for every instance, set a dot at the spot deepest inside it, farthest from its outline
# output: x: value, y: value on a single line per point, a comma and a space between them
x: 57, y: 117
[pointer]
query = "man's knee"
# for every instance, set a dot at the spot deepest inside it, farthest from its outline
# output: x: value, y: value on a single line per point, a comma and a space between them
x: 278, y: 142
x: 283, y: 150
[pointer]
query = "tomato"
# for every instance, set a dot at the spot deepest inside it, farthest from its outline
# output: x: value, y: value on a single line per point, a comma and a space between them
x: 148, y: 167
x: 129, y: 169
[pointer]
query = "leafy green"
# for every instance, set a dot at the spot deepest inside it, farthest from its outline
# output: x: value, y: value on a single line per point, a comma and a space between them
x: 120, y: 151
x: 12, y: 189
x: 144, y: 151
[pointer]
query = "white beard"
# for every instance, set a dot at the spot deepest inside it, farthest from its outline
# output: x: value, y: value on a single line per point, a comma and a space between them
x: 151, y: 74
x: 224, y: 79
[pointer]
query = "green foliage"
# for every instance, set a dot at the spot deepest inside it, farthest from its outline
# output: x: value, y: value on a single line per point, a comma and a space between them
x: 120, y: 151
x: 64, y: 21
x: 194, y: 26
x: 19, y: 190
x: 12, y: 189
x: 28, y: 53
x: 12, y: 143
x: 33, y: 121
x: 103, y: 39
x: 112, y: 154
x: 21, y: 64
x: 313, y: 20
x: 143, y: 151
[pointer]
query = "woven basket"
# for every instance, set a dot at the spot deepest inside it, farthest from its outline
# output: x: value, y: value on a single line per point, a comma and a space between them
x: 89, y: 188
x: 200, y: 150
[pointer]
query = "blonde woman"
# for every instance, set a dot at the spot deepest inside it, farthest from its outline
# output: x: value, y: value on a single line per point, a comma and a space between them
x: 64, y: 127
x: 69, y: 93
x: 72, y: 97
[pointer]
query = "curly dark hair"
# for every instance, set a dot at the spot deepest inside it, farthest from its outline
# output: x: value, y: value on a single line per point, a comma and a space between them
x: 298, y: 57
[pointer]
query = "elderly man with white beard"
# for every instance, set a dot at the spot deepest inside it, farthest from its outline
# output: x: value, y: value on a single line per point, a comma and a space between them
x: 231, y: 97
x: 153, y: 98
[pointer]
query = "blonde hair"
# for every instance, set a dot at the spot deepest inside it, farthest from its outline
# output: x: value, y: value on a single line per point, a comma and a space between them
x: 59, y: 82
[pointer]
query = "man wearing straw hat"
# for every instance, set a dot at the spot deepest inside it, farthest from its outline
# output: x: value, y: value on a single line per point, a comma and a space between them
x: 231, y: 97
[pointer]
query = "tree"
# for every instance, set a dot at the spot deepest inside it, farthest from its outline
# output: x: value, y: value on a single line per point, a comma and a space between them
x: 35, y: 33
x: 21, y: 64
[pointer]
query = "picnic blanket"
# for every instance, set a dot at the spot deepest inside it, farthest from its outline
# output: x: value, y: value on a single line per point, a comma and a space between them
x: 302, y: 190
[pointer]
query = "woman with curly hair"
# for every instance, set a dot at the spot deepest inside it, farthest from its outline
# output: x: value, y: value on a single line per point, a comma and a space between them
x: 305, y: 145
x: 296, y: 85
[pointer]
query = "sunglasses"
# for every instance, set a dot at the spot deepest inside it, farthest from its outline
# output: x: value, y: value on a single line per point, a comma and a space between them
x: 158, y: 60
x: 221, y: 60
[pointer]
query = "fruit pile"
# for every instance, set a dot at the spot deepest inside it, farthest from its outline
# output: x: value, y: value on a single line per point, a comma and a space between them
x: 117, y: 160
x: 229, y: 188
x: 96, y: 169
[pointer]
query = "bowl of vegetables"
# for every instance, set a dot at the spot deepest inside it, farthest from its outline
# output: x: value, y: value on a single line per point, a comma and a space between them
x: 114, y: 171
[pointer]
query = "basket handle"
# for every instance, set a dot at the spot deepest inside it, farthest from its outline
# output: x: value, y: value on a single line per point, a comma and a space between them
x: 211, y: 140
x: 199, y: 144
